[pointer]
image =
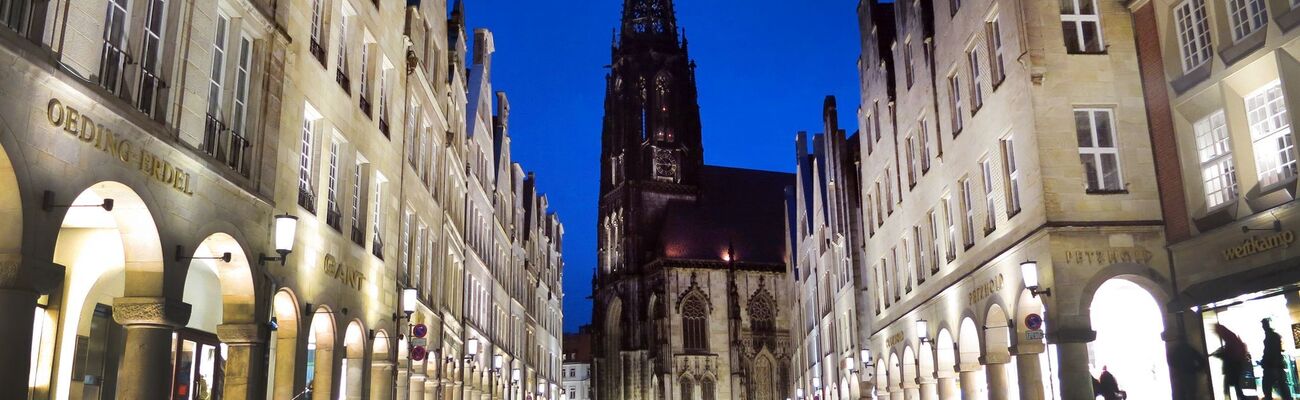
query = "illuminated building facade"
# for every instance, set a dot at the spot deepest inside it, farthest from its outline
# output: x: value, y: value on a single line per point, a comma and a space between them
x: 230, y: 200
x: 1011, y: 216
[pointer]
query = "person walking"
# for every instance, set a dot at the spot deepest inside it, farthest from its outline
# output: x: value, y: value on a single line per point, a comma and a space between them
x: 1274, y: 366
x: 1235, y: 359
x: 1107, y: 387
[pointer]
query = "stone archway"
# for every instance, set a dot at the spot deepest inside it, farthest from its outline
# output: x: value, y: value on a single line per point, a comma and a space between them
x: 320, y: 354
x: 998, y: 369
x: 946, y: 364
x: 283, y: 346
x: 1129, y: 324
x: 970, y: 372
x: 895, y: 387
x: 219, y: 286
x: 113, y: 276
x: 351, y: 386
x: 381, y: 366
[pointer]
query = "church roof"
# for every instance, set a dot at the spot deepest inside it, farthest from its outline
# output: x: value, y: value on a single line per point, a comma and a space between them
x: 741, y: 209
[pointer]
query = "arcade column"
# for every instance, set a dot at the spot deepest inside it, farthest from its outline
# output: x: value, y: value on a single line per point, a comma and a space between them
x: 149, y: 323
x: 19, y: 288
x: 245, y: 345
x: 1029, y: 370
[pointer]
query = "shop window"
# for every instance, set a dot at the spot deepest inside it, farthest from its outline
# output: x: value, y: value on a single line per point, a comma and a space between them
x: 96, y: 356
x: 1245, y: 17
x: 200, y: 366
x: 1098, y: 150
x: 1081, y: 25
x: 1217, y: 169
x: 1270, y: 131
x: 1193, y: 29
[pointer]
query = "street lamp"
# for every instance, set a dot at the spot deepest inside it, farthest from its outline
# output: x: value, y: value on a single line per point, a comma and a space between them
x: 1029, y: 271
x: 409, y: 301
x: 286, y: 228
x: 923, y: 331
x: 497, y: 362
x: 798, y: 393
x: 851, y: 366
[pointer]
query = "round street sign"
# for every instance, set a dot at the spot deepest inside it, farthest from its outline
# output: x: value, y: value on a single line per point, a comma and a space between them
x: 420, y: 330
x: 1033, y: 322
x: 418, y: 353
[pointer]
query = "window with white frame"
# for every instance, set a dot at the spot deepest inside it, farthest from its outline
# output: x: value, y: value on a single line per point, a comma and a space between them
x: 997, y: 60
x: 1215, y: 153
x: 968, y: 211
x: 216, y: 81
x: 1011, y: 173
x: 1270, y: 131
x: 305, y: 155
x: 880, y: 219
x: 358, y: 193
x: 239, y: 114
x: 889, y: 192
x: 1098, y: 150
x: 911, y: 159
x: 317, y: 20
x: 908, y: 72
x: 953, y: 6
x: 923, y: 139
x: 342, y: 62
x: 1245, y: 17
x: 951, y: 239
x: 986, y: 175
x: 932, y: 242
x: 1193, y: 30
x: 954, y: 102
x: 875, y: 106
x: 376, y: 217
x: 919, y: 253
x: 404, y: 249
x: 151, y: 62
x: 976, y: 87
x: 1081, y: 25
x: 898, y: 278
x: 332, y: 190
x: 364, y: 74
x: 383, y: 97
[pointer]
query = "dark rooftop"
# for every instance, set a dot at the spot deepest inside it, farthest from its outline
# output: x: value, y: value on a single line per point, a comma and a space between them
x: 738, y: 208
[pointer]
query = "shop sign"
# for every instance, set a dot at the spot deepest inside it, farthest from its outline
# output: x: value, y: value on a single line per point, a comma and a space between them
x: 984, y: 290
x: 344, y: 273
x: 1109, y: 255
x: 101, y: 138
x: 894, y: 339
x: 1259, y: 244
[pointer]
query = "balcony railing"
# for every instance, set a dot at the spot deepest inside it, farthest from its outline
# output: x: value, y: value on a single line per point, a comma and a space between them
x: 358, y: 236
x: 228, y: 147
x: 333, y: 217
x: 14, y: 14
x: 113, y: 62
x: 343, y: 80
x: 383, y: 125
x: 377, y: 247
x: 317, y: 51
x: 307, y: 199
x: 365, y: 105
x: 151, y: 87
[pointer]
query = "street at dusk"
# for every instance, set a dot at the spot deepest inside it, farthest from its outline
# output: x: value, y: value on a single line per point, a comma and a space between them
x: 649, y: 200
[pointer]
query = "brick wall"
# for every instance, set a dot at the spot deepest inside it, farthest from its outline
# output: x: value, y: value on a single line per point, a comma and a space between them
x: 1164, y: 146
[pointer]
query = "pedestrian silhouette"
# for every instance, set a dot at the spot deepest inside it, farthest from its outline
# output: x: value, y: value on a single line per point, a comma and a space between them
x: 1235, y: 359
x: 1107, y: 387
x: 1274, y: 366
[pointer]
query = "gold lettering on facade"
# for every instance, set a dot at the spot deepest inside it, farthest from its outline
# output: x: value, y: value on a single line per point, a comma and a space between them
x: 984, y: 290
x: 894, y: 339
x: 102, y: 138
x: 1259, y: 244
x: 343, y: 272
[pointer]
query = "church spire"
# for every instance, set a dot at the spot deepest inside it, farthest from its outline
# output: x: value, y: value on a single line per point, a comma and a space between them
x: 649, y: 18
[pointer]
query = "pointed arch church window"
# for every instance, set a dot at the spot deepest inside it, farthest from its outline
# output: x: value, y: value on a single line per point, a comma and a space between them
x: 695, y: 316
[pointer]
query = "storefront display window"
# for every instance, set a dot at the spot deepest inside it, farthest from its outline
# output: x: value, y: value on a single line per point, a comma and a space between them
x: 200, y: 361
x: 1243, y: 318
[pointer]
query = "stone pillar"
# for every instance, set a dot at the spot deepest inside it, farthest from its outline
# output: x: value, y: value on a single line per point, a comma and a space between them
x: 245, y: 376
x: 381, y: 380
x: 20, y: 286
x: 430, y: 390
x: 403, y: 381
x: 417, y: 387
x: 970, y: 381
x: 1029, y: 374
x: 1076, y: 379
x: 996, y: 373
x: 149, y: 323
x: 928, y: 391
x: 910, y: 390
x: 947, y: 386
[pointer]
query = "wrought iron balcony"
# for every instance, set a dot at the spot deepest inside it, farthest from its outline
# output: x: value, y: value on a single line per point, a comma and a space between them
x: 377, y: 247
x: 226, y: 145
x: 318, y: 52
x: 112, y: 67
x: 358, y: 236
x: 334, y: 218
x: 151, y: 88
x: 342, y: 78
x: 383, y: 125
x: 306, y: 199
x: 365, y: 105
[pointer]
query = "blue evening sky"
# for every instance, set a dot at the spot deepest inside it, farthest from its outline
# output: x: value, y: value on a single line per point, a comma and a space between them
x: 764, y: 67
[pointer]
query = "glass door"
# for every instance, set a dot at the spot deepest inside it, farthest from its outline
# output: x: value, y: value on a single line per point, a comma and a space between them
x: 199, y: 365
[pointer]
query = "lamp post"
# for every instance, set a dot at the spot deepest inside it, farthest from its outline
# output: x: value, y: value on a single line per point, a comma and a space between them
x: 923, y: 331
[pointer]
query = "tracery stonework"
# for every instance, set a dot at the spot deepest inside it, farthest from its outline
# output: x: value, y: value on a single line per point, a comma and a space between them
x: 682, y: 303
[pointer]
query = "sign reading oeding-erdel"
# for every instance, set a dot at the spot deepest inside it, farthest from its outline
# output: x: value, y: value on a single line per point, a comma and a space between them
x: 89, y: 132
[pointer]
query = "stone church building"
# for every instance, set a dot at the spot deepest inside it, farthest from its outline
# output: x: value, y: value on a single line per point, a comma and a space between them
x: 688, y: 291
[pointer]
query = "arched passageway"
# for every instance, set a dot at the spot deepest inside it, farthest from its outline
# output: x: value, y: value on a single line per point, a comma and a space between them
x: 283, y: 347
x: 1129, y: 324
